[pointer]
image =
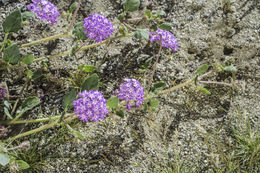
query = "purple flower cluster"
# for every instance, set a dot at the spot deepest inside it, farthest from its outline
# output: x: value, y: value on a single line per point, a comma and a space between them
x: 165, y: 38
x: 131, y: 91
x: 97, y: 27
x: 2, y: 93
x: 45, y: 10
x: 91, y: 106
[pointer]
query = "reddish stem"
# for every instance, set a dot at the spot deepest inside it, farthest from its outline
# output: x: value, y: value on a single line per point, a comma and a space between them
x: 154, y: 68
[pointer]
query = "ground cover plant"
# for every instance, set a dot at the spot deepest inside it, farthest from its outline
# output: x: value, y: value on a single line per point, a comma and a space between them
x: 89, y: 100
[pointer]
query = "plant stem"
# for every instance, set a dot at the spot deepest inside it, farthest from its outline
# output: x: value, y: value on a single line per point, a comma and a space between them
x: 154, y: 68
x: 74, y: 17
x: 3, y: 44
x: 30, y: 121
x: 47, y: 126
x: 217, y: 83
x: 46, y: 39
x: 16, y: 102
x: 182, y: 84
x: 82, y: 48
x: 176, y: 87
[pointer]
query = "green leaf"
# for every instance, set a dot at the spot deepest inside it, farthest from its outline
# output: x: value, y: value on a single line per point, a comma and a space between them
x: 204, y: 90
x: 69, y: 98
x: 22, y: 164
x: 167, y: 26
x: 123, y: 30
x: 112, y: 102
x: 27, y: 15
x: 79, y: 31
x: 7, y: 104
x: 154, y: 103
x: 196, y: 79
x: 7, y: 113
x: 29, y: 73
x: 147, y: 63
x: 29, y: 103
x: 89, y: 68
x: 148, y: 13
x: 13, y: 22
x: 73, y: 7
x: 79, y: 135
x: 120, y: 113
x: 230, y: 68
x: 12, y: 54
x: 158, y: 86
x: 160, y: 13
x: 141, y: 33
x: 28, y: 59
x: 91, y: 83
x: 202, y: 69
x: 121, y: 17
x: 37, y: 74
x: 145, y: 106
x: 3, y: 149
x: 4, y: 159
x: 131, y: 5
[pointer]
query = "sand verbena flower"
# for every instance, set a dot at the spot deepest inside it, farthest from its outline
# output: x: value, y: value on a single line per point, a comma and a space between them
x: 90, y: 106
x: 165, y: 38
x: 2, y: 93
x: 132, y: 92
x: 97, y: 27
x: 44, y: 10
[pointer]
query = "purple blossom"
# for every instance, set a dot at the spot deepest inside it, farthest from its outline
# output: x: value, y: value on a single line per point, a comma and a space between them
x: 2, y: 93
x: 91, y: 106
x: 131, y: 91
x: 97, y: 27
x: 44, y: 10
x: 165, y: 38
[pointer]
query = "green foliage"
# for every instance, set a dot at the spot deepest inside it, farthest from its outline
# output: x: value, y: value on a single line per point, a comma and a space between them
x: 87, y: 68
x: 37, y: 74
x: 123, y: 30
x: 28, y: 104
x: 148, y: 13
x: 120, y: 113
x: 7, y: 108
x: 201, y: 69
x: 27, y: 59
x: 79, y: 31
x: 27, y: 15
x: 243, y: 147
x: 69, y: 98
x: 90, y: 83
x: 12, y: 54
x: 75, y: 133
x: 73, y: 7
x: 4, y: 159
x: 204, y: 90
x: 147, y: 63
x: 230, y: 68
x: 154, y: 15
x: 131, y: 5
x: 160, y: 13
x: 29, y: 73
x: 13, y: 22
x: 112, y: 102
x: 158, y: 86
x: 153, y: 104
x: 167, y: 26
x: 121, y: 17
x: 141, y: 33
x: 22, y: 165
